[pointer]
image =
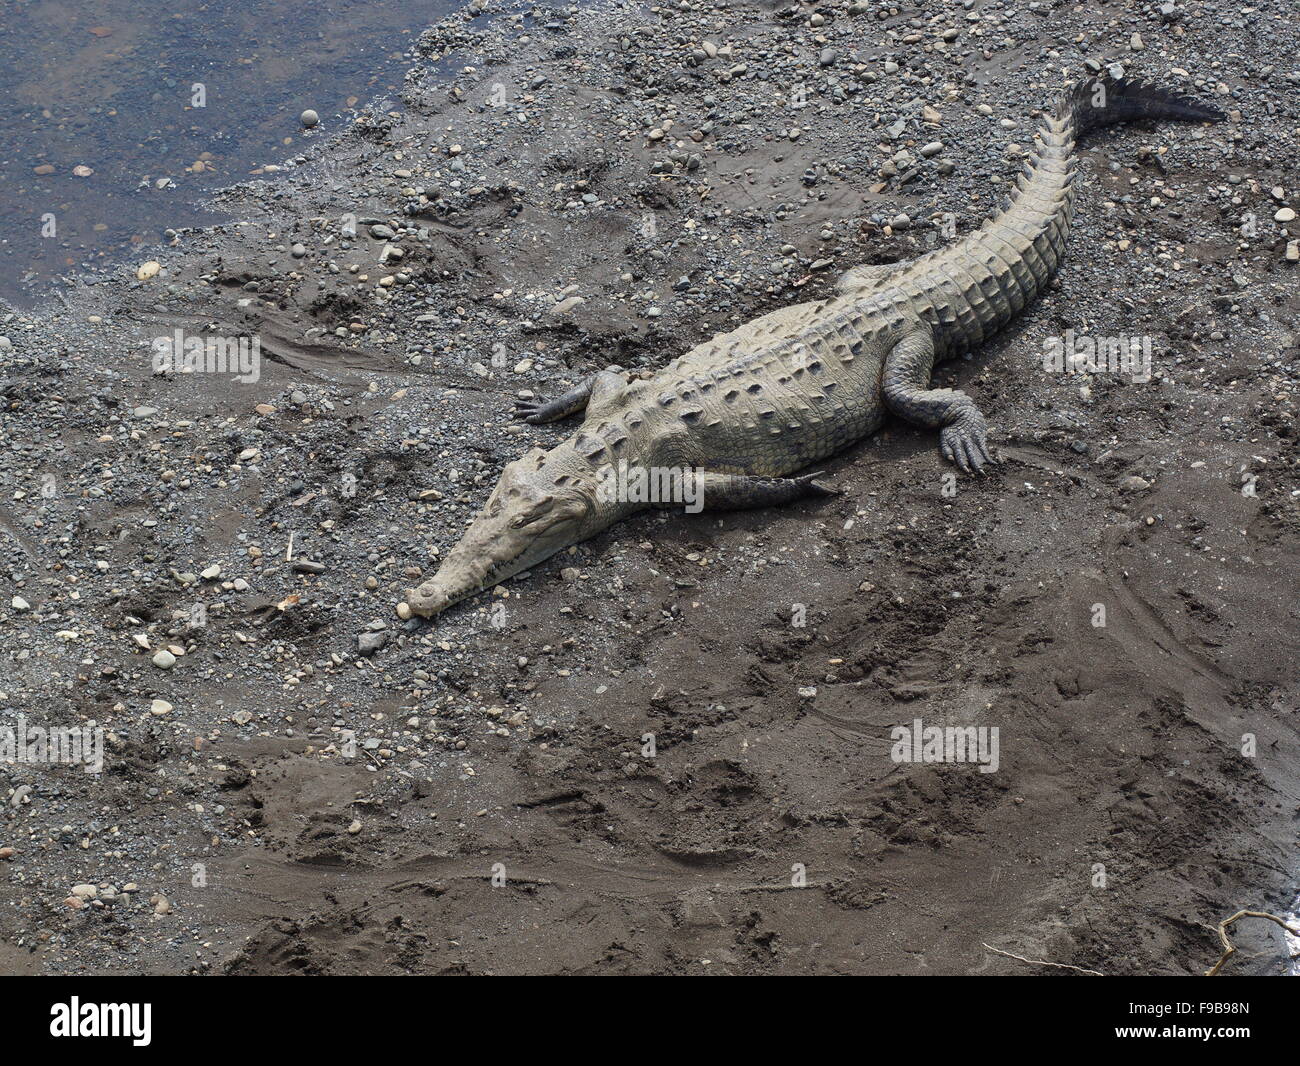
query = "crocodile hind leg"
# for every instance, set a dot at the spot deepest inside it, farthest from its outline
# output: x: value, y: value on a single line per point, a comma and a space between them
x: 905, y: 386
x: 703, y: 489
x: 588, y: 393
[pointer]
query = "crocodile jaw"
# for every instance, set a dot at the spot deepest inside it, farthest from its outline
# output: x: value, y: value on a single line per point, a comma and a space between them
x: 539, y: 507
x: 466, y: 574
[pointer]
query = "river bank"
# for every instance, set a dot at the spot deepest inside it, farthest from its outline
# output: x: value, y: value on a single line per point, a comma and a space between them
x: 299, y: 780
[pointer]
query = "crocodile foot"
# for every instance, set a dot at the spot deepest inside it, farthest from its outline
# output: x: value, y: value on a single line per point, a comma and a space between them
x: 965, y: 442
x: 812, y: 487
x: 531, y: 411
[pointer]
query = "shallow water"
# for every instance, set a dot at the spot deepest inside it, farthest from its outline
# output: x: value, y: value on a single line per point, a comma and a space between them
x: 112, y: 86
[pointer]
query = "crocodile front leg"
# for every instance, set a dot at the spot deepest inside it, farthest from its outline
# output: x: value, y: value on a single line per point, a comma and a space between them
x: 905, y: 386
x: 739, y: 492
x: 589, y: 393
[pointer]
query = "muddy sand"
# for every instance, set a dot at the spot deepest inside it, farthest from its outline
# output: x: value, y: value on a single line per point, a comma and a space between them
x: 669, y: 750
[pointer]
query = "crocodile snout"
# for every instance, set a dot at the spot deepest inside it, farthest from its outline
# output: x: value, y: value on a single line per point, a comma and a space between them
x: 429, y: 599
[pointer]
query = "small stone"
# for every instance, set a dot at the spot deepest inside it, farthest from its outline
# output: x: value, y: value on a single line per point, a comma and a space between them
x: 932, y: 149
x: 212, y: 572
x: 404, y: 610
x: 828, y: 57
x: 354, y: 828
x: 1135, y: 484
x: 369, y: 643
x: 307, y: 566
x: 85, y: 891
x: 567, y: 304
x: 164, y: 660
x: 145, y: 271
x: 309, y: 119
x: 160, y: 707
x: 1285, y: 214
x: 20, y: 604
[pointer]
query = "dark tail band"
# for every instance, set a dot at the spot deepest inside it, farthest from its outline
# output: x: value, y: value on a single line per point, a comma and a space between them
x: 1104, y: 101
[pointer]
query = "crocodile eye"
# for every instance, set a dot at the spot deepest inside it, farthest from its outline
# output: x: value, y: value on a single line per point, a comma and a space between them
x: 538, y: 510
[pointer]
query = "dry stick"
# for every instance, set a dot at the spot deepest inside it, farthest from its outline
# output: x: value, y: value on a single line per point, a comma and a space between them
x: 1043, y: 962
x: 1229, y: 949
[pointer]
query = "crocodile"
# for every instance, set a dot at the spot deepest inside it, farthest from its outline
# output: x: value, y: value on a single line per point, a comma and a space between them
x: 725, y: 425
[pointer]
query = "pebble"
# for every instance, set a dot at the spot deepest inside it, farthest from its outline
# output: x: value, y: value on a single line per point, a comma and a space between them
x: 160, y: 707
x: 164, y: 660
x: 567, y: 304
x: 309, y: 119
x: 20, y: 604
x: 307, y: 566
x: 1286, y: 214
x: 369, y: 643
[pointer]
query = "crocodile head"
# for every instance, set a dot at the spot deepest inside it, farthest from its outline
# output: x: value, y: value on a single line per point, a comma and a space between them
x: 542, y: 504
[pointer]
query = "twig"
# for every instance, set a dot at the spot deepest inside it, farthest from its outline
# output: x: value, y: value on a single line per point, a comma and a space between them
x: 1042, y: 962
x: 1229, y: 949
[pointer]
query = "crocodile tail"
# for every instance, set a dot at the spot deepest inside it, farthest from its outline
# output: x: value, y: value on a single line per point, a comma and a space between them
x: 1104, y: 101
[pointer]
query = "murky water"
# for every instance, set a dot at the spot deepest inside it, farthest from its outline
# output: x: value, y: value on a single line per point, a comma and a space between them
x: 117, y: 115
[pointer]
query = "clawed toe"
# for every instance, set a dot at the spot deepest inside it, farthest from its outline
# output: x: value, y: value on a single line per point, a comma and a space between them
x: 528, y: 410
x: 814, y: 487
x: 965, y: 443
